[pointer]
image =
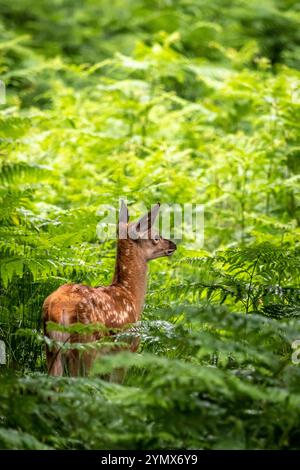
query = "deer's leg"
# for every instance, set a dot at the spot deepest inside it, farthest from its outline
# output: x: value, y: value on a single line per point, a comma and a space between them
x: 54, y: 362
x: 134, y: 345
x: 118, y: 375
x: 73, y: 363
x: 86, y: 361
x: 80, y: 362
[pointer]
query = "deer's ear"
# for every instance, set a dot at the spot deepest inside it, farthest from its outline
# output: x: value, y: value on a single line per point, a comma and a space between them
x: 146, y: 221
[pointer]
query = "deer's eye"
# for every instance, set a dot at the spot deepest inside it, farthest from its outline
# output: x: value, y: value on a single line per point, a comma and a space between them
x: 156, y: 238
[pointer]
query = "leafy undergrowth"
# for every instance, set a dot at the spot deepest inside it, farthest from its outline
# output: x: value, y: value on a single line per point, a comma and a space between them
x: 208, y: 378
x: 178, y: 102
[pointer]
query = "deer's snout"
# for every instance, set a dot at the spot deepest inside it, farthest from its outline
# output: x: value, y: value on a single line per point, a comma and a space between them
x: 171, y: 248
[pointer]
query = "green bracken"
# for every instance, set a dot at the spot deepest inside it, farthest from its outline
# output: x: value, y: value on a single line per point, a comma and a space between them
x: 179, y: 102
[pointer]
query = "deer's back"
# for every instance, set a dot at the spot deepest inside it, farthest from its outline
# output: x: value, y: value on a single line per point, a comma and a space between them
x: 76, y: 303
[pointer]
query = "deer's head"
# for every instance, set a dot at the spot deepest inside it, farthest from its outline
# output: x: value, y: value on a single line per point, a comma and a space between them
x: 141, y: 236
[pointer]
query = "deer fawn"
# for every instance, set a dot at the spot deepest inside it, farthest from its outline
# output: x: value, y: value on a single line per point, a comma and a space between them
x: 116, y: 305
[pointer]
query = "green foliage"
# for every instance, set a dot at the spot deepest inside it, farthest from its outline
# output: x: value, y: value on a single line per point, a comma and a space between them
x: 207, y: 379
x: 186, y: 101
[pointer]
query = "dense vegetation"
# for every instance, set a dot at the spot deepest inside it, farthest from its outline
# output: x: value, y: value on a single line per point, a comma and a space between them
x: 177, y: 101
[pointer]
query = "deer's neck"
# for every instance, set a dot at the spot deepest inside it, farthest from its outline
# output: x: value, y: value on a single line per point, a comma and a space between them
x: 131, y: 274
